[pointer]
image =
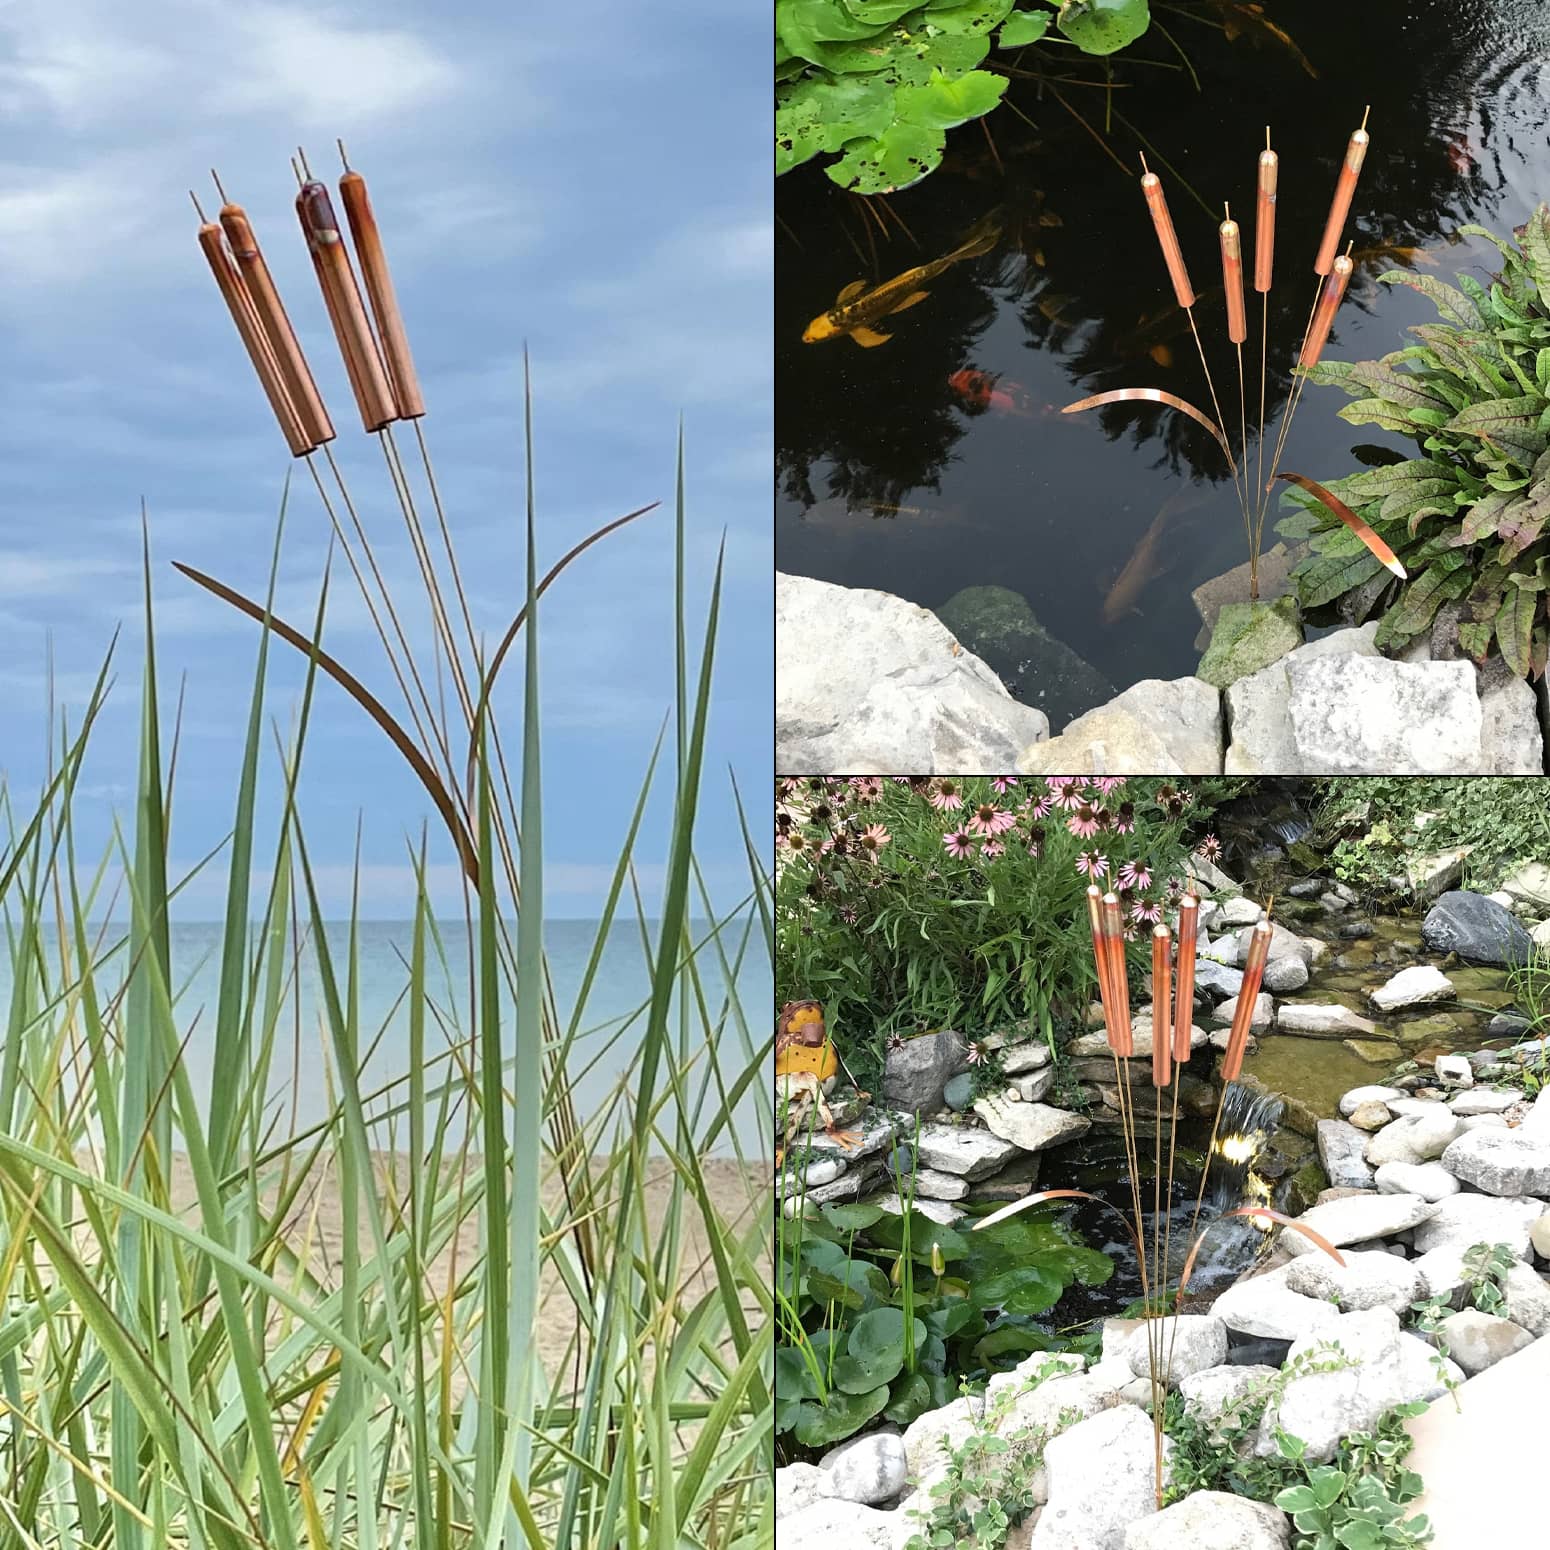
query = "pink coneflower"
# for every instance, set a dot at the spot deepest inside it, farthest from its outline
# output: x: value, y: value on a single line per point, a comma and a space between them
x: 1084, y: 822
x: 992, y: 848
x: 991, y: 820
x: 1001, y: 784
x: 1135, y: 874
x: 1125, y: 819
x: 946, y: 797
x: 847, y: 914
x: 796, y: 841
x: 900, y: 780
x: 1038, y: 807
x: 974, y: 1054
x: 1064, y: 790
x: 867, y: 787
x: 873, y: 838
x: 1036, y: 841
x: 1147, y: 910
x: 1108, y: 783
x: 959, y: 843
x: 1210, y: 847
x: 1094, y: 863
x: 895, y: 1042
x: 1175, y: 890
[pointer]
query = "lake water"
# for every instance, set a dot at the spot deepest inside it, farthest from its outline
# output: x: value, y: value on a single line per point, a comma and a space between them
x: 610, y: 1029
x: 887, y: 478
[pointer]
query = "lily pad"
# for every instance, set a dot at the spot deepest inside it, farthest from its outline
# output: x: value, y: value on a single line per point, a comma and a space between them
x: 1103, y: 26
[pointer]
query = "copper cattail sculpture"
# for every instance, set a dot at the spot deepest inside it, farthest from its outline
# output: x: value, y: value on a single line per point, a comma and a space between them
x: 1326, y: 301
x: 1172, y: 1020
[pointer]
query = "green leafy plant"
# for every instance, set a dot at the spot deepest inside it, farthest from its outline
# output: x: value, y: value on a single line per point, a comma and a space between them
x: 988, y: 1486
x: 878, y: 83
x: 1368, y: 862
x: 1485, y: 1267
x: 1468, y: 517
x: 1358, y: 1501
x: 884, y: 1314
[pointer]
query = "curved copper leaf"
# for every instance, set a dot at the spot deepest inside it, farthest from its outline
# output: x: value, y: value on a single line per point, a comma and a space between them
x: 366, y: 700
x: 1317, y: 1238
x: 1154, y: 396
x: 1058, y: 1194
x: 1380, y: 550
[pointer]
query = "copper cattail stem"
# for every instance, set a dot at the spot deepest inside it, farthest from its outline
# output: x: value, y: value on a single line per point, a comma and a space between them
x: 1330, y: 296
x: 1162, y: 1005
x: 294, y: 371
x: 1167, y: 238
x: 368, y: 380
x: 1253, y: 973
x: 213, y: 243
x: 1184, y: 979
x: 384, y: 300
x: 1340, y: 205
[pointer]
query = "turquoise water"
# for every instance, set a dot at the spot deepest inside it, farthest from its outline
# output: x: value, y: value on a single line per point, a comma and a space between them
x: 610, y: 1022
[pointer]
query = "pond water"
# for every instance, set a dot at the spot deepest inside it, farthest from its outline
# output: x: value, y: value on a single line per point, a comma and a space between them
x: 889, y: 476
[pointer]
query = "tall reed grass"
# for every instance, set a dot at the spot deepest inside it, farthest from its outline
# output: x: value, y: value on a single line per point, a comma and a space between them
x: 188, y: 1359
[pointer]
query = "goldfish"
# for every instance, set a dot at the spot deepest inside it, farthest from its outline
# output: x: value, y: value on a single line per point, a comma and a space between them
x: 858, y: 307
x: 1161, y: 354
x: 982, y: 390
x: 1391, y: 252
x: 1150, y: 559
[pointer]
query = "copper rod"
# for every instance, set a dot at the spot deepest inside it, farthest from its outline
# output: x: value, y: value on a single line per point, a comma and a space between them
x: 1330, y: 296
x: 1184, y: 978
x: 1101, y: 957
x: 1253, y: 973
x: 294, y: 371
x: 1167, y: 238
x: 368, y: 379
x: 1232, y: 279
x: 1162, y: 1005
x: 1340, y: 205
x: 1265, y: 216
x: 228, y: 278
x: 1120, y: 1035
x: 384, y: 300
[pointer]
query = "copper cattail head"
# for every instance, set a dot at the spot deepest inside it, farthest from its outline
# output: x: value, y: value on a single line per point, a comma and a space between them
x: 1173, y: 255
x: 1120, y: 1039
x: 1340, y: 206
x: 1330, y: 297
x: 1162, y: 1043
x: 1232, y: 280
x: 1265, y: 217
x: 1184, y: 978
x: 1248, y: 995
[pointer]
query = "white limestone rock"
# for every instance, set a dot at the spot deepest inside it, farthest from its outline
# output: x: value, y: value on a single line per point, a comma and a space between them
x: 1357, y: 1217
x: 1477, y: 1340
x: 869, y: 1469
x: 1357, y: 1096
x: 1031, y: 1126
x: 1366, y: 1280
x: 1184, y: 715
x: 1191, y: 1343
x: 1429, y: 1180
x: 1212, y: 1520
x: 1468, y: 1218
x: 1306, y: 1017
x: 1501, y: 1162
x: 1418, y: 985
x: 869, y: 681
x: 1416, y: 1138
x: 1101, y: 1480
x: 967, y: 1151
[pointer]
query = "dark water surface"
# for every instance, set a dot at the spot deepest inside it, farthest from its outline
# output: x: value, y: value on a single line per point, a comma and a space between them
x: 1074, y: 300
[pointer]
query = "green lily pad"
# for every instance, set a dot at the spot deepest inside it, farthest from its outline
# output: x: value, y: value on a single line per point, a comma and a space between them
x: 1103, y: 26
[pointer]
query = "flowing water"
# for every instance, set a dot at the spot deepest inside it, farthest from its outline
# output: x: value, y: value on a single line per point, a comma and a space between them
x: 888, y: 478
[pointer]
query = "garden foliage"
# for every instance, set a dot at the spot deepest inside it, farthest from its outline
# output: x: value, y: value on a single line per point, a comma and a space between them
x: 1467, y: 517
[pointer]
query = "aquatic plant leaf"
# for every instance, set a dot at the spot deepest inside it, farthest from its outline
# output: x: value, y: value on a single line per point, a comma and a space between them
x: 911, y: 1398
x: 1374, y: 411
x: 1443, y: 581
x: 944, y: 104
x: 1103, y: 26
x: 1454, y: 305
x: 1153, y: 396
x: 1496, y: 415
x: 891, y: 161
x: 841, y: 1415
x: 1380, y: 550
x: 1392, y: 478
x: 1023, y: 27
x: 1339, y: 563
x: 1515, y: 623
x: 816, y: 115
x: 803, y: 26
x: 973, y: 17
x: 1536, y: 249
x: 1026, y: 1289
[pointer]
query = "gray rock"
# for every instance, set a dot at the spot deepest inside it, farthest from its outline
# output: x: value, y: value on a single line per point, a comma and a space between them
x: 1510, y: 739
x: 1184, y: 714
x: 1482, y: 1101
x: 1217, y: 980
x: 969, y: 1152
x: 831, y: 1521
x: 1305, y: 1017
x: 1340, y: 1146
x: 1484, y: 1121
x: 1501, y: 1162
x: 1259, y: 706
x: 1366, y: 1280
x: 818, y: 1172
x: 998, y: 626
x: 1465, y: 1219
x: 1101, y: 1479
x: 1283, y: 944
x: 1527, y: 1295
x: 868, y: 1469
x: 1477, y: 1340
x: 1415, y: 1139
x: 1539, y: 1235
x: 1441, y: 1270
x: 1241, y: 911
x: 1454, y: 1071
x: 1249, y: 637
x: 1434, y: 874
x: 1212, y: 1520
x: 940, y: 1186
x: 928, y: 1437
x: 1354, y: 714
x: 1429, y: 1180
x: 1191, y: 1342
x: 1266, y: 1306
x: 1261, y: 1018
x: 916, y: 1075
x: 1357, y: 1217
x: 942, y: 1211
x: 1530, y: 884
x: 798, y: 1486
x: 1416, y: 986
x: 1105, y: 742
x: 1388, y: 1368
x: 1357, y: 1096
x: 1031, y: 1126
x: 1476, y: 928
x: 1090, y: 1046
x: 1283, y: 975
x: 1537, y: 1121
x: 1031, y: 1055
x: 1207, y: 1395
x: 1033, y: 1086
x: 958, y: 1092
x: 868, y: 681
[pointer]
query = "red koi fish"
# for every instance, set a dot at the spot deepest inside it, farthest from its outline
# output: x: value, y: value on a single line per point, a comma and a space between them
x: 980, y: 390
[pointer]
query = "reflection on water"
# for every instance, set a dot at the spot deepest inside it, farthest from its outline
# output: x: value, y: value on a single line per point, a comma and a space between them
x: 938, y: 459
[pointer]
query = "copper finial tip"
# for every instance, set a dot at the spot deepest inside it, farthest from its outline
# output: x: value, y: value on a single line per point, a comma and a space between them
x: 1226, y: 210
x: 215, y: 178
x: 304, y: 167
x: 204, y: 220
x: 1144, y: 167
x: 300, y: 180
x: 342, y: 156
x: 1365, y: 112
x: 1267, y: 137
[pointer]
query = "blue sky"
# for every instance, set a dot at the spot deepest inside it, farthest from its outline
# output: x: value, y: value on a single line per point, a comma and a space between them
x: 593, y: 183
